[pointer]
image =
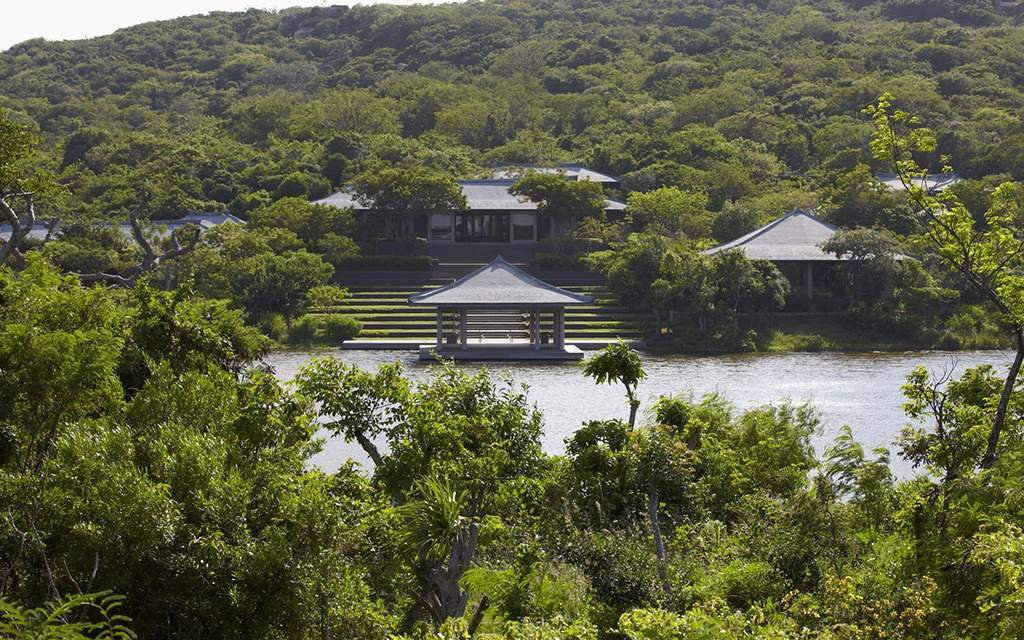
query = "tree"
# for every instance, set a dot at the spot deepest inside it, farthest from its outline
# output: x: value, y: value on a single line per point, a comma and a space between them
x: 187, y: 486
x: 565, y: 201
x: 398, y: 193
x: 673, y: 211
x: 989, y: 259
x: 151, y: 260
x: 455, y: 444
x: 618, y: 363
x: 858, y: 199
x: 21, y: 187
x: 886, y: 289
x: 277, y: 283
x: 310, y: 222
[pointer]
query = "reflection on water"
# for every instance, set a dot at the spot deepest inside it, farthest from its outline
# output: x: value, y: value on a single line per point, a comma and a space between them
x: 861, y: 390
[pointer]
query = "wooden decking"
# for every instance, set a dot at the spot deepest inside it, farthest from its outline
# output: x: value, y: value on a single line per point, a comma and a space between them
x: 500, y: 351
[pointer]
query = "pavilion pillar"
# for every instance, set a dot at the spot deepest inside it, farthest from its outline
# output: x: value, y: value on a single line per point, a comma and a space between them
x: 809, y: 281
x: 560, y: 328
x: 463, y: 339
x: 535, y: 329
x: 440, y: 328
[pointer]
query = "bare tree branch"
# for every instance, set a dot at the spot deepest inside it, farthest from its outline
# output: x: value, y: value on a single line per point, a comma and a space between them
x: 150, y: 258
x: 20, y: 229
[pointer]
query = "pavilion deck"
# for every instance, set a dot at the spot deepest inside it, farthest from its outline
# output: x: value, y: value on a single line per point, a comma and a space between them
x: 484, y: 351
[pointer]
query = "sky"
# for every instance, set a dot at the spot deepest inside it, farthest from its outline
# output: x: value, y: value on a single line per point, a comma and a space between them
x: 22, y: 20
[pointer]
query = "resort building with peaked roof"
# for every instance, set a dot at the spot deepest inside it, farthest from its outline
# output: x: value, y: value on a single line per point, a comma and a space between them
x: 500, y: 312
x: 494, y: 220
x: 794, y: 244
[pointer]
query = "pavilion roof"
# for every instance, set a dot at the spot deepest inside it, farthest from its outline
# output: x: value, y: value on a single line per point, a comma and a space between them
x: 796, y: 236
x: 499, y: 284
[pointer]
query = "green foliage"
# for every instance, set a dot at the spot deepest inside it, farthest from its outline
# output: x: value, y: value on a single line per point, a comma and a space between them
x: 384, y: 263
x: 432, y: 519
x: 339, y: 328
x: 147, y: 458
x: 618, y: 362
x: 673, y: 211
x: 398, y: 192
x: 304, y: 329
x: 268, y: 282
x: 324, y: 296
x: 705, y: 294
x: 565, y: 201
x: 312, y: 223
x: 51, y: 621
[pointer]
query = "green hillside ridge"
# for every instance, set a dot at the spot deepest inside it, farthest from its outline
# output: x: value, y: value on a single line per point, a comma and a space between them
x: 758, y: 103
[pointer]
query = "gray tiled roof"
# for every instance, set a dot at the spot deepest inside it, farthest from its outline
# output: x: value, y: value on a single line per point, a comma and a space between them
x: 499, y: 284
x: 571, y: 171
x: 796, y: 236
x: 933, y: 183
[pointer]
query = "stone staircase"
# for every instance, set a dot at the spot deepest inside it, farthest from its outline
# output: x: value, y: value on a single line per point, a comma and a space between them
x: 386, y: 316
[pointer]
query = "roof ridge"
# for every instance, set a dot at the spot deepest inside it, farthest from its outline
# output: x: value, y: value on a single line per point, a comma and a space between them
x: 510, y: 268
x: 750, y: 237
x: 757, y: 233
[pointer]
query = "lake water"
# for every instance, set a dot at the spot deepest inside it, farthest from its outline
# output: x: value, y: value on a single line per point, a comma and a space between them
x: 861, y: 390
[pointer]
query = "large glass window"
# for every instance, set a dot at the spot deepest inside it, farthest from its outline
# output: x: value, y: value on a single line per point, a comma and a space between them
x: 441, y: 226
x: 522, y: 226
x: 481, y: 227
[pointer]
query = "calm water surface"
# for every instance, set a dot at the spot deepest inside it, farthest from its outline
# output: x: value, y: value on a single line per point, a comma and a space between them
x: 861, y: 390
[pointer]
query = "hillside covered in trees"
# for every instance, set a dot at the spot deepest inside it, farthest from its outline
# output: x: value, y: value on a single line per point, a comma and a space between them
x: 758, y: 104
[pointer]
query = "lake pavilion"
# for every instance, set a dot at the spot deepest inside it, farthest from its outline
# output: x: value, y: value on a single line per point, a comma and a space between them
x: 793, y: 243
x: 500, y: 312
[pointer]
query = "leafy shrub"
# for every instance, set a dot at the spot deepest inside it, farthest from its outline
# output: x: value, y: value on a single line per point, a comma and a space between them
x: 743, y: 582
x: 339, y: 328
x: 336, y: 248
x: 808, y: 342
x: 77, y: 617
x: 273, y: 325
x: 326, y: 295
x: 622, y: 574
x: 971, y: 329
x: 558, y: 262
x: 304, y: 329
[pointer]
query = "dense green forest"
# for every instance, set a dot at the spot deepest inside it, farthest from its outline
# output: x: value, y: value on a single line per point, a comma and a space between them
x: 155, y: 477
x: 755, y: 103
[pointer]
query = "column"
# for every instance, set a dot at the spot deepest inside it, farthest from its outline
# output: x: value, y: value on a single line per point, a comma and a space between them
x: 440, y: 328
x: 535, y: 329
x: 809, y: 281
x: 560, y: 329
x: 462, y: 328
